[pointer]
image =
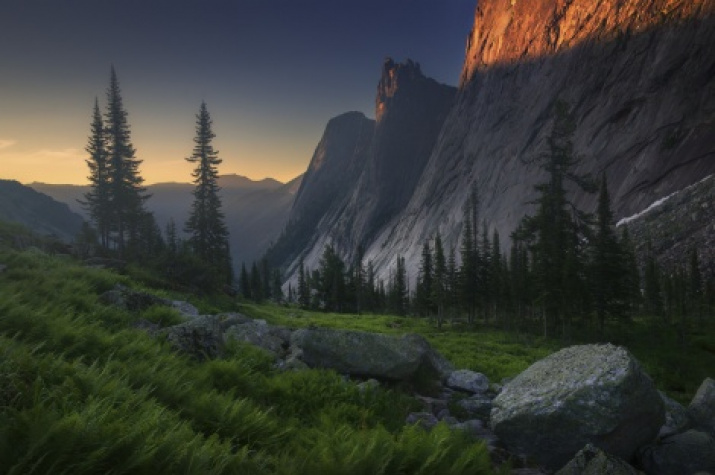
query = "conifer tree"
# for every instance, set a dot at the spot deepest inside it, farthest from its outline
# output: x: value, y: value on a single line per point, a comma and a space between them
x: 245, y: 283
x: 398, y: 295
x: 439, y: 286
x: 695, y: 283
x: 631, y: 280
x: 423, y: 292
x: 208, y: 235
x: 452, y: 283
x: 653, y: 296
x: 608, y: 266
x: 126, y: 191
x: 468, y: 270
x: 303, y: 286
x: 97, y: 201
x: 555, y: 231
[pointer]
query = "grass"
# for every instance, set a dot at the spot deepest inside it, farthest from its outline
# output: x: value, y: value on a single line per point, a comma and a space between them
x: 81, y: 391
x: 675, y: 369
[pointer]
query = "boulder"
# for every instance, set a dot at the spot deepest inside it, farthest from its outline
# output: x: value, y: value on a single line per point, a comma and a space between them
x: 468, y: 381
x: 201, y: 337
x: 370, y: 355
x: 680, y: 454
x: 478, y: 430
x: 185, y: 308
x: 676, y: 417
x: 594, y: 461
x: 479, y: 406
x: 594, y: 394
x: 426, y: 420
x: 271, y: 338
x: 132, y: 300
x: 702, y: 408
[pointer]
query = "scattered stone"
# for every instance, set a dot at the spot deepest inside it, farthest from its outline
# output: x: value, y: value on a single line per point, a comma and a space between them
x: 443, y: 414
x: 702, y: 408
x: 106, y: 263
x: 426, y: 420
x: 293, y: 360
x: 3, y: 268
x: 151, y: 328
x: 583, y: 394
x: 433, y: 405
x: 676, y: 417
x: 687, y: 453
x: 468, y: 381
x: 479, y: 406
x: 449, y: 420
x: 594, y: 461
x: 368, y: 386
x: 371, y: 355
x: 271, y: 338
x: 131, y: 300
x: 478, y: 430
x: 185, y: 308
x: 201, y: 338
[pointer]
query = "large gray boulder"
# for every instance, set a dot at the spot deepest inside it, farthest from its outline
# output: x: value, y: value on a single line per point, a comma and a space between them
x: 594, y: 394
x: 468, y: 381
x: 371, y: 355
x: 681, y: 454
x: 201, y: 337
x: 676, y: 417
x: 594, y: 461
x: 271, y: 338
x: 702, y: 408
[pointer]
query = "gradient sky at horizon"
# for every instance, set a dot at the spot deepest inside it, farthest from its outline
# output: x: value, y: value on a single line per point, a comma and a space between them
x: 272, y: 73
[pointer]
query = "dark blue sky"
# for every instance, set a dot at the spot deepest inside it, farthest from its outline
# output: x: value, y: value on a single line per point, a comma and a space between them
x: 272, y: 73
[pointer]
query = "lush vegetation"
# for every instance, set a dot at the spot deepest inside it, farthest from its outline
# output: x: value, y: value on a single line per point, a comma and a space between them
x: 567, y: 272
x: 122, y: 228
x: 81, y: 391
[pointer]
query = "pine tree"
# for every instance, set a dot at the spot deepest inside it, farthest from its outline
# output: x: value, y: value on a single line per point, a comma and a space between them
x: 256, y: 284
x: 245, y: 283
x: 452, y: 283
x: 439, y: 286
x: 557, y: 229
x: 653, y: 296
x: 127, y: 196
x: 208, y: 235
x: 303, y: 286
x: 608, y: 265
x: 276, y: 286
x: 468, y: 270
x: 398, y: 295
x: 97, y: 201
x: 695, y: 283
x: 631, y: 279
x: 423, y: 292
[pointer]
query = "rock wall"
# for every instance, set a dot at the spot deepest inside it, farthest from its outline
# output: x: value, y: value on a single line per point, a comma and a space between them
x: 639, y: 75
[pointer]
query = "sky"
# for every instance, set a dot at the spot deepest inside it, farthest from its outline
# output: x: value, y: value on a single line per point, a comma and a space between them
x: 272, y: 73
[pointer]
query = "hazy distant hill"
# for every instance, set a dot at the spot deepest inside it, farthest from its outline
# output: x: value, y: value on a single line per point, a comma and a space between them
x: 256, y: 211
x: 21, y: 204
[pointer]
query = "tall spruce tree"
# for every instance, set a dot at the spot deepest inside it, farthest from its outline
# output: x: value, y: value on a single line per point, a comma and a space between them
x: 423, y: 291
x: 97, y: 201
x: 555, y: 232
x: 439, y: 285
x: 127, y: 195
x: 208, y: 235
x: 608, y: 263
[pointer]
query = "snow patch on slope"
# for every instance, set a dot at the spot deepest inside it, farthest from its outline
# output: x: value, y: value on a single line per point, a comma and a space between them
x: 659, y: 202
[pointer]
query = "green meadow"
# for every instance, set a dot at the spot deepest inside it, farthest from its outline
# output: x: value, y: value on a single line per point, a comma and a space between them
x: 82, y: 391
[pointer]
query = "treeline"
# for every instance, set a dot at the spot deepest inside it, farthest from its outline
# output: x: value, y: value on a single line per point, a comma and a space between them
x: 564, y: 266
x: 122, y: 227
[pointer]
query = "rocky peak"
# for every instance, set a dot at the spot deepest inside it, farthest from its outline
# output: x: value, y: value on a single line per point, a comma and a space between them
x: 394, y: 77
x: 507, y: 31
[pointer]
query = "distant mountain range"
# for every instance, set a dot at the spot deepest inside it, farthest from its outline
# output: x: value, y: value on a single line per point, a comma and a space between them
x: 37, y: 211
x: 256, y: 211
x: 639, y: 76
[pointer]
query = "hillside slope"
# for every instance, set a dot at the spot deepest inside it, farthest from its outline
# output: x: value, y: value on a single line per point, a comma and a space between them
x: 39, y: 212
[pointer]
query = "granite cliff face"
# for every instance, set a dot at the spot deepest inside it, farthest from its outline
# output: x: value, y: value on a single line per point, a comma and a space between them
x: 639, y: 76
x: 364, y: 172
